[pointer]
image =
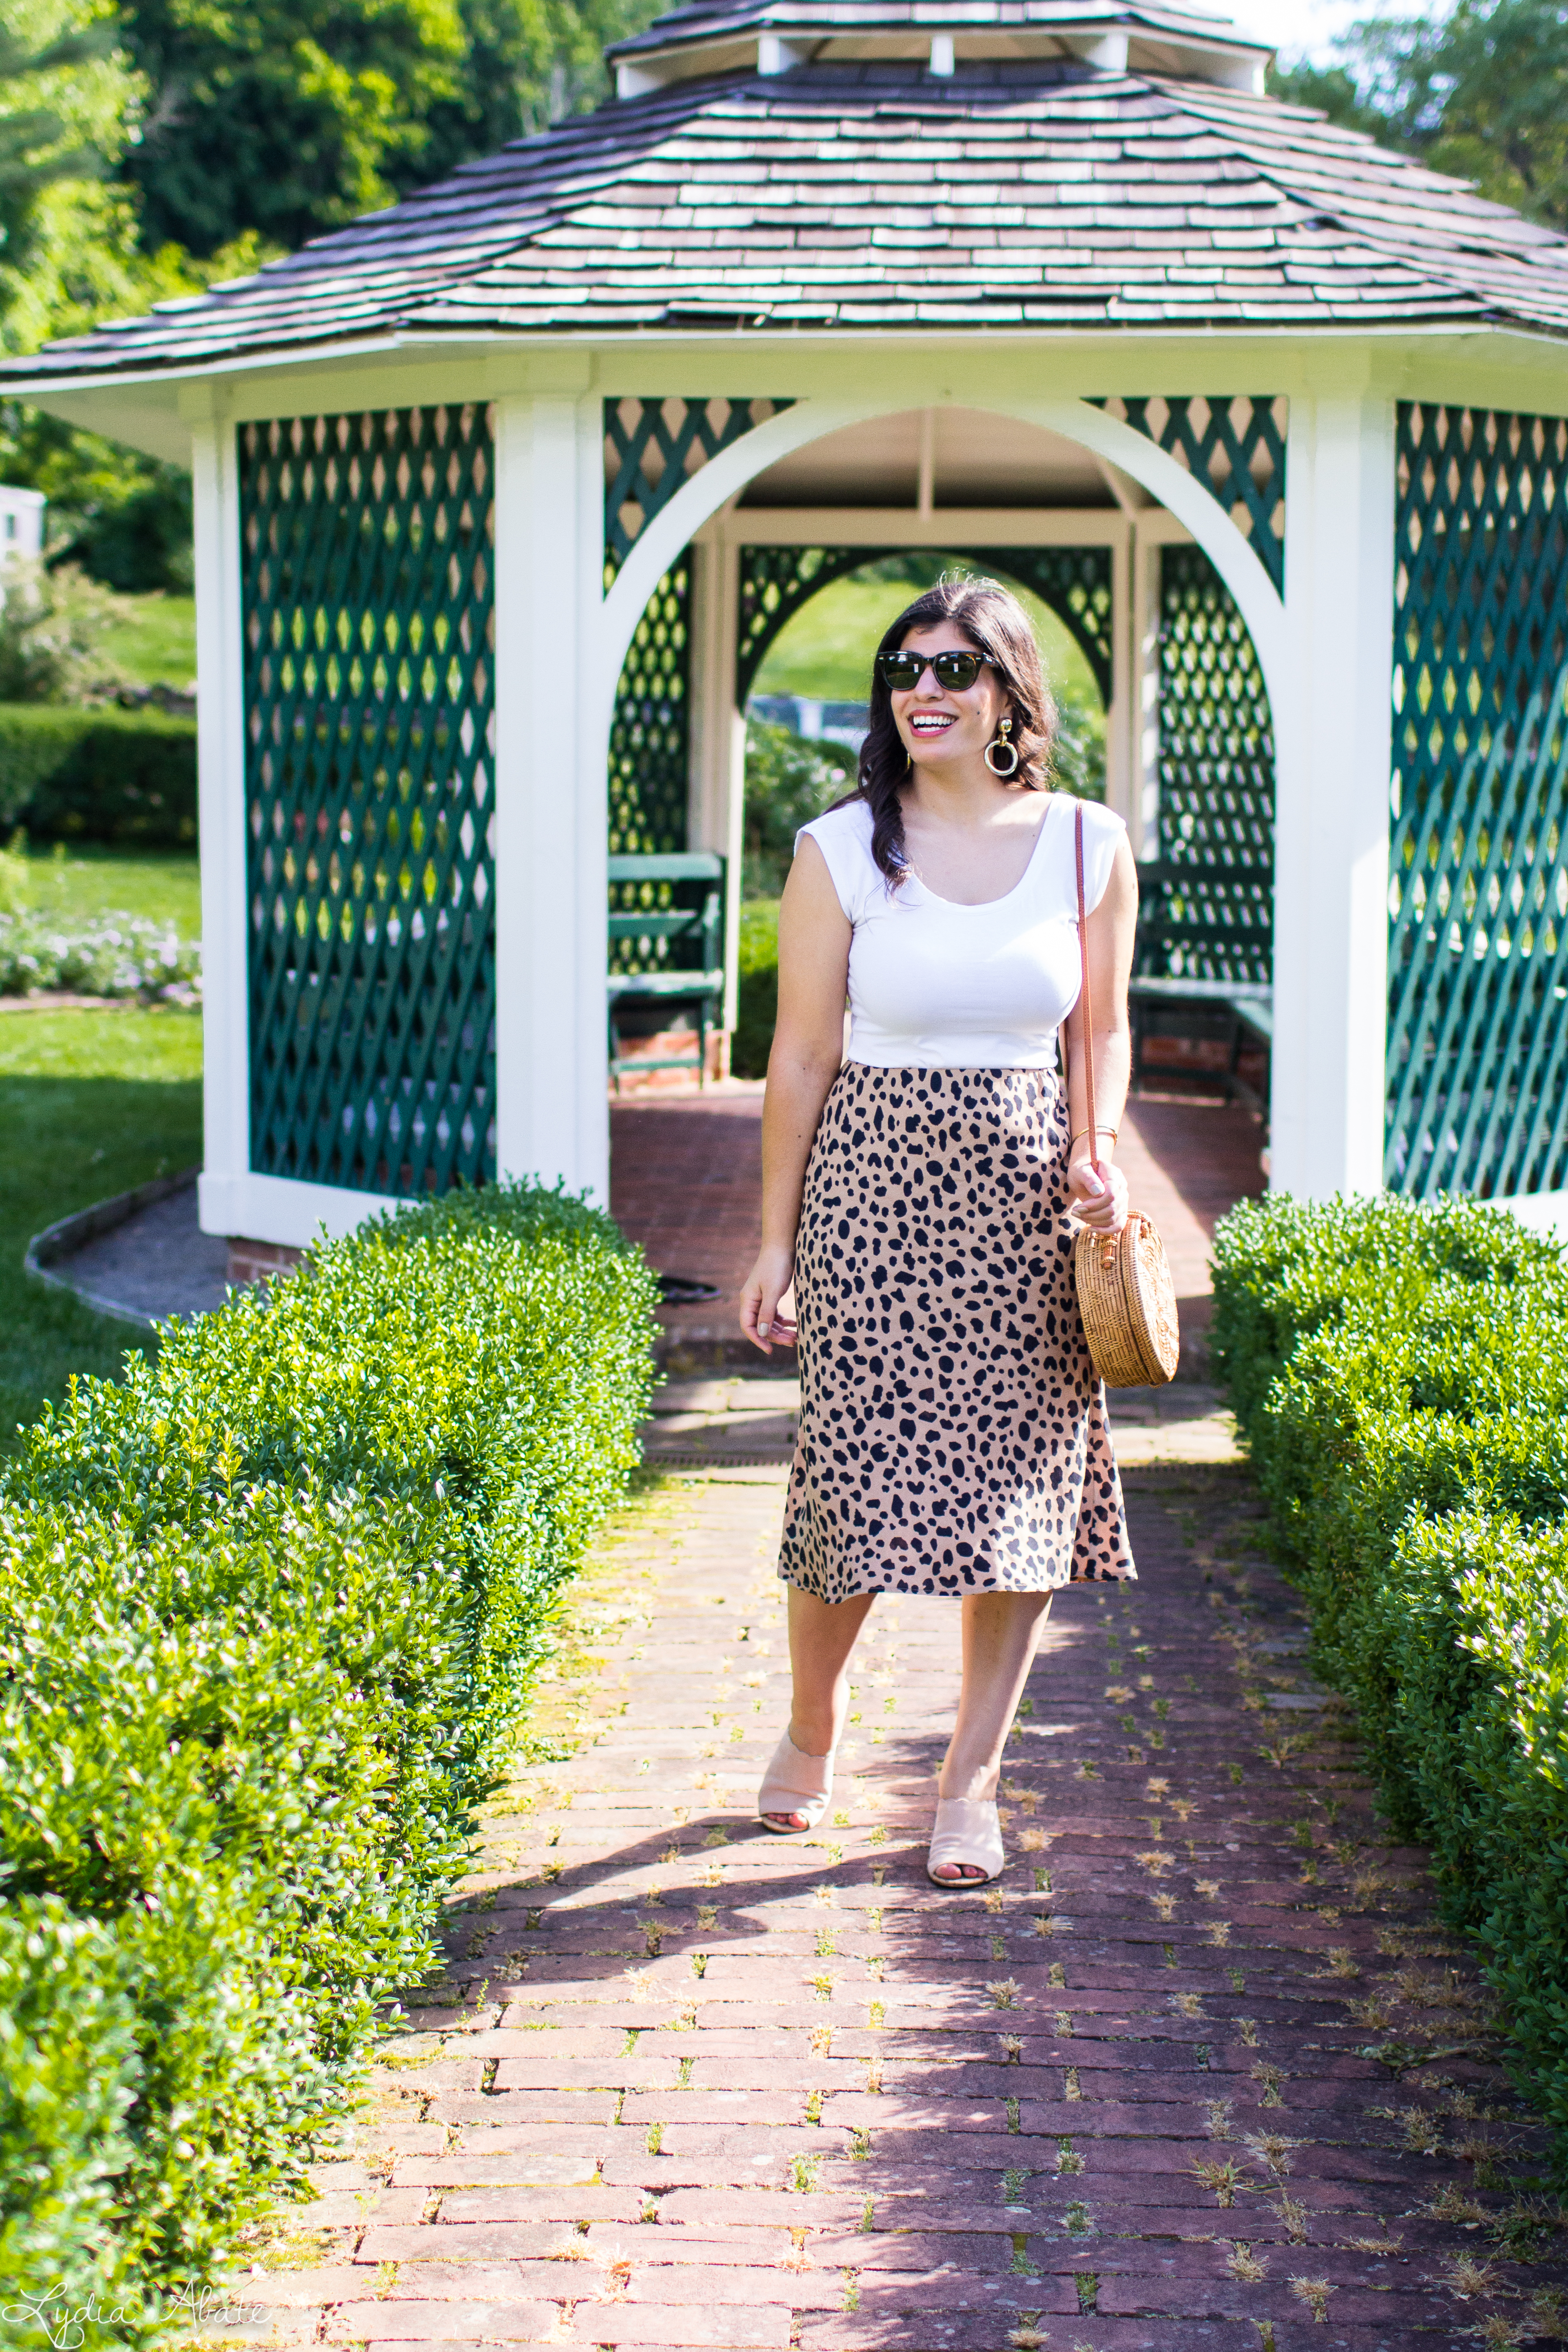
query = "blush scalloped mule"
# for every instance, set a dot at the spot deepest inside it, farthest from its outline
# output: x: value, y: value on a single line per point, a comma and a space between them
x: 794, y: 1783
x: 967, y: 1830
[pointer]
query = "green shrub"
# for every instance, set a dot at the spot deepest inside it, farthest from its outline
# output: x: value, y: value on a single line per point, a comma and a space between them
x: 272, y: 1607
x: 142, y: 541
x: 1401, y: 1376
x: 1472, y: 1627
x: 68, y: 2074
x: 128, y: 776
x: 789, y: 779
x: 758, y: 988
x: 53, y: 625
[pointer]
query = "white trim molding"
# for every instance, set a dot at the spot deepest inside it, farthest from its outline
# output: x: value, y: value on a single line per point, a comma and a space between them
x: 282, y: 1209
x: 1542, y: 1212
x: 909, y: 527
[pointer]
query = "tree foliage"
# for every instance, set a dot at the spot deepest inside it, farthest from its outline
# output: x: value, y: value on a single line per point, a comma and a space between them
x: 526, y: 63
x: 51, y: 628
x: 68, y: 109
x: 70, y: 104
x: 144, y: 154
x: 37, y: 145
x: 287, y: 118
x: 1481, y: 92
x: 281, y: 116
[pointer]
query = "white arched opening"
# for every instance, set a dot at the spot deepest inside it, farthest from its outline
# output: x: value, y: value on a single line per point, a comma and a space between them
x: 728, y: 474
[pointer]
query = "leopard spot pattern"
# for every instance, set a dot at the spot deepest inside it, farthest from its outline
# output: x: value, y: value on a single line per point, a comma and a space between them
x: 952, y: 1434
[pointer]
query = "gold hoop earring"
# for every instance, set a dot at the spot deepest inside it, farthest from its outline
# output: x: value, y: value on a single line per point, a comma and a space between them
x: 1002, y: 749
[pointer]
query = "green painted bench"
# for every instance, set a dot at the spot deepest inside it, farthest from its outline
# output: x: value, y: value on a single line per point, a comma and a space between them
x: 1237, y: 1011
x: 677, y: 939
x: 1205, y: 910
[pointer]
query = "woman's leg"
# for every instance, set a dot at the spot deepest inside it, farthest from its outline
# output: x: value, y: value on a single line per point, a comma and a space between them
x: 1001, y: 1632
x: 821, y: 1636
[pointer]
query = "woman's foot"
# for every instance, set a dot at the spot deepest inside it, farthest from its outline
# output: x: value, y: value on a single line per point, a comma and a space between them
x: 795, y: 1788
x: 966, y: 1842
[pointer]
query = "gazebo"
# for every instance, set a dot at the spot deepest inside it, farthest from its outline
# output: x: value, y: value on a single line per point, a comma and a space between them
x: 503, y: 494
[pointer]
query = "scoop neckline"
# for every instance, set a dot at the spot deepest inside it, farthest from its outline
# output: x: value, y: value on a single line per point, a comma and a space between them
x: 984, y: 906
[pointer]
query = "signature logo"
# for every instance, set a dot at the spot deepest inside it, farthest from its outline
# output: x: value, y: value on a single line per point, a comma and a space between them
x: 64, y: 2325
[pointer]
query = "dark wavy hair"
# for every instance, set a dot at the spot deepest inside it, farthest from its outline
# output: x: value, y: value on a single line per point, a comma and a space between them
x: 996, y: 624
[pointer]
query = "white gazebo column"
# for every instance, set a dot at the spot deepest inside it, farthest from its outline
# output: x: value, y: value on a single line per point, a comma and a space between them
x: 220, y: 767
x: 1333, y: 744
x: 1120, y: 765
x: 551, y: 802
x: 718, y: 744
x: 1153, y: 530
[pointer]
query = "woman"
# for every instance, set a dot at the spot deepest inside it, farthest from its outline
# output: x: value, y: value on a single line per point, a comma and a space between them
x: 923, y: 1198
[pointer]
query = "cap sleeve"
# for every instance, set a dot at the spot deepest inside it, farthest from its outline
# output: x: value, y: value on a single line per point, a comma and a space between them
x: 1102, y: 829
x: 844, y: 837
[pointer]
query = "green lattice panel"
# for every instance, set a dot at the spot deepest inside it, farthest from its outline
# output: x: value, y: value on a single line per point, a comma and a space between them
x: 775, y: 582
x: 1477, y: 982
x: 652, y: 449
x: 1075, y: 583
x: 1210, y: 914
x: 650, y: 750
x: 367, y: 581
x: 1235, y: 449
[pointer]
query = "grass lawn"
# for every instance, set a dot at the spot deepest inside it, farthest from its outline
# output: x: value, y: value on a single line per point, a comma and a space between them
x: 90, y: 1103
x: 157, y: 641
x: 824, y: 652
x: 89, y: 881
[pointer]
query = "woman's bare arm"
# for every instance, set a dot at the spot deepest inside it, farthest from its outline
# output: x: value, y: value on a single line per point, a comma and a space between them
x: 1098, y: 1197
x: 809, y: 1048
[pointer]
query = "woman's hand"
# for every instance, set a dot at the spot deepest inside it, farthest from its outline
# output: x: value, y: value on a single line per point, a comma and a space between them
x: 766, y: 1310
x: 1097, y: 1196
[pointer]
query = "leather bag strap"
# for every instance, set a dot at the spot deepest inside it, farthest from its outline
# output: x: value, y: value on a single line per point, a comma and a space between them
x: 1084, y: 999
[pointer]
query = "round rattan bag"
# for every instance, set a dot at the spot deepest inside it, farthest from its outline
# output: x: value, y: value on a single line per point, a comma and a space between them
x: 1128, y: 1302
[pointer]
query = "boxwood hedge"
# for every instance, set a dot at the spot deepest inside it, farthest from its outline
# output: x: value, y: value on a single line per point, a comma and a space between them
x: 1401, y: 1376
x: 69, y: 773
x: 270, y: 1604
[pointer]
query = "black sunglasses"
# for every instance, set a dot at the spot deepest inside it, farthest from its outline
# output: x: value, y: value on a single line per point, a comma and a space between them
x: 902, y: 671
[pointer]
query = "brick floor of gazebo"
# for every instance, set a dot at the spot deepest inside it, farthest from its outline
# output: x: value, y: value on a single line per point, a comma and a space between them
x: 686, y: 1182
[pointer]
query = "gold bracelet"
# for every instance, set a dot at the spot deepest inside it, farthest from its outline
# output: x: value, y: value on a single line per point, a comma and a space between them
x: 1098, y: 1131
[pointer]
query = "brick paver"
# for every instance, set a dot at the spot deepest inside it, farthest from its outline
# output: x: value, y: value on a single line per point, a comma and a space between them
x: 1202, y: 2070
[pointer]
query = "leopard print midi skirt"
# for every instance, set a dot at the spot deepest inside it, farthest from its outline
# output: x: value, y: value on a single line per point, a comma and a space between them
x: 952, y: 1432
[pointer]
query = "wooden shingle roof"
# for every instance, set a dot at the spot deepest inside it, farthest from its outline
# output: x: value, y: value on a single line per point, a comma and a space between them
x: 843, y: 197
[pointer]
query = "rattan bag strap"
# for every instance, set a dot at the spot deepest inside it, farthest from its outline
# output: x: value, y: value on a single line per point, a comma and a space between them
x: 1125, y: 1294
x: 1084, y: 999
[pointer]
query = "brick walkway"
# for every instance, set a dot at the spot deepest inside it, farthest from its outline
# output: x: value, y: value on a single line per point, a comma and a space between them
x: 690, y: 2085
x: 686, y: 1182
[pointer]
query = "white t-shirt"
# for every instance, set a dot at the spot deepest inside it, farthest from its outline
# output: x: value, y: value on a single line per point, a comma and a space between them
x: 933, y: 985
